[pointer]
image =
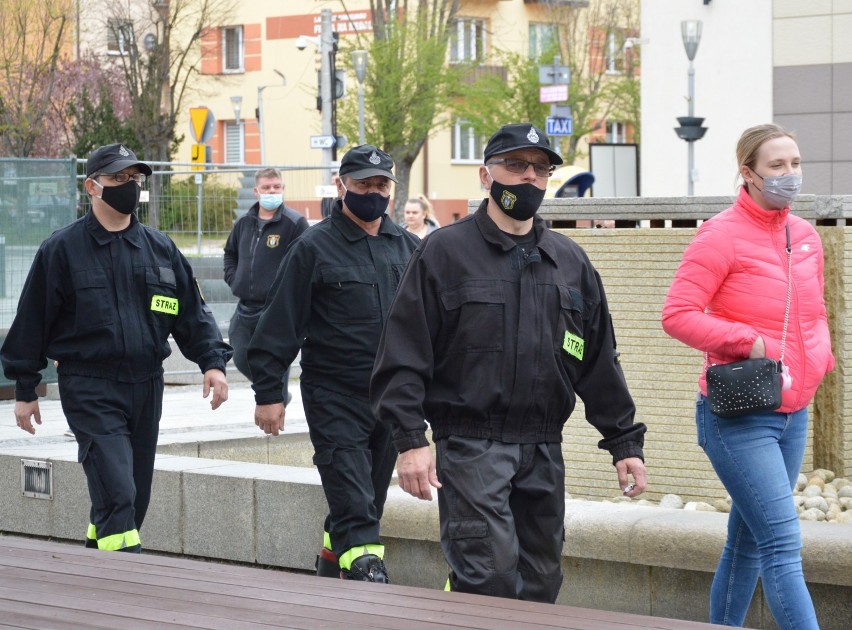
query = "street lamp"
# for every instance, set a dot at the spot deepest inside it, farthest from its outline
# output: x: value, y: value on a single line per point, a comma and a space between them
x: 260, y: 89
x: 690, y: 128
x: 359, y: 62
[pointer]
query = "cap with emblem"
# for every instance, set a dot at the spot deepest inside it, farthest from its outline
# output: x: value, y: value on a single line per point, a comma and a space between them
x: 366, y: 161
x: 520, y: 136
x: 113, y: 158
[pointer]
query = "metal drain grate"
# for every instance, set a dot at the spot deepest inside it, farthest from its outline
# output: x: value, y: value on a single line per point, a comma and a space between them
x: 36, y: 479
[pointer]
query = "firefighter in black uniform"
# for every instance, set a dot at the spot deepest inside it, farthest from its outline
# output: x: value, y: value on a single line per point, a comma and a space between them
x: 101, y: 298
x: 498, y: 325
x: 331, y: 298
x: 253, y: 252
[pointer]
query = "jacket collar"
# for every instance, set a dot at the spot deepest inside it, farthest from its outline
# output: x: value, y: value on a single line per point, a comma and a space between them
x: 353, y: 232
x: 255, y: 212
x: 544, y: 239
x: 775, y: 219
x: 132, y: 235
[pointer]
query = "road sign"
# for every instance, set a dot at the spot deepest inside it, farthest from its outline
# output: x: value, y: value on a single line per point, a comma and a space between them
x: 559, y: 126
x: 322, y: 142
x: 200, y: 153
x: 552, y: 93
x: 201, y: 124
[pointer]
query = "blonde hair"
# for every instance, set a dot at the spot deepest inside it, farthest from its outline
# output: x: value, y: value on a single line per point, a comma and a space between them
x: 428, y: 212
x: 752, y: 139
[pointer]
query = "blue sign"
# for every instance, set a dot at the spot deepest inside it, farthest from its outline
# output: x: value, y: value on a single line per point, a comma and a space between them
x: 560, y: 126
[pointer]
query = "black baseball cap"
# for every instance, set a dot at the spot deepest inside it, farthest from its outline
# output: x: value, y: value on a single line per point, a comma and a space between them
x: 113, y: 158
x: 520, y: 136
x: 365, y: 161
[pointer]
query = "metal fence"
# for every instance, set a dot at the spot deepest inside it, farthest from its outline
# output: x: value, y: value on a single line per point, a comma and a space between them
x: 196, y: 208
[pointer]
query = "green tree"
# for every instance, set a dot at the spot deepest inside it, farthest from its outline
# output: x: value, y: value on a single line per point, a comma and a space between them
x: 408, y: 83
x: 95, y: 123
x: 162, y: 55
x: 498, y: 98
x: 32, y: 34
x: 591, y: 44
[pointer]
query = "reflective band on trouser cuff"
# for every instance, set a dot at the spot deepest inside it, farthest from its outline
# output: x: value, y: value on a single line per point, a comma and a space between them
x: 326, y: 540
x: 91, y: 534
x: 353, y: 554
x: 447, y: 585
x: 120, y: 541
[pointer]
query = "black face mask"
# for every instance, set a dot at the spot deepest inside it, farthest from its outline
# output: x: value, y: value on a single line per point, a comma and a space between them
x: 518, y: 201
x: 367, y: 207
x: 124, y: 198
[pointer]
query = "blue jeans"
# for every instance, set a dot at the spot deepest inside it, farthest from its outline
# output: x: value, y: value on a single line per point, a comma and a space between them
x: 757, y: 457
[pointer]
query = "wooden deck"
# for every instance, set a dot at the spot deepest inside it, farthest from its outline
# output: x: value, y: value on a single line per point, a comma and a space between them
x: 46, y: 585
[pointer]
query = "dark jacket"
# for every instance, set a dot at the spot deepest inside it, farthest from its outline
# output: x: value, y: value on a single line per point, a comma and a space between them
x: 252, y: 253
x: 331, y: 298
x: 104, y: 304
x: 485, y: 342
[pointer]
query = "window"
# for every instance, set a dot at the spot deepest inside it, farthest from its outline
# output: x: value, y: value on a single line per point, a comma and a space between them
x: 614, y: 55
x: 543, y: 39
x: 616, y: 133
x: 232, y: 49
x: 119, y: 36
x: 467, y: 146
x: 467, y: 40
x: 234, y: 145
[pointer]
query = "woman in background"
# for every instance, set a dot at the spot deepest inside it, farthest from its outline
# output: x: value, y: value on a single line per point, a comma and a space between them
x: 729, y: 300
x: 419, y: 218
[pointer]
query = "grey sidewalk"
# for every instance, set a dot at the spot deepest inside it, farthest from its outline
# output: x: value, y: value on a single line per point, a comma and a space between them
x: 184, y: 410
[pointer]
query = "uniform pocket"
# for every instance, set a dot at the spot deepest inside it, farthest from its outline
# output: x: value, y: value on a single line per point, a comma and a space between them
x: 470, y: 546
x: 94, y: 299
x: 163, y: 304
x: 475, y: 313
x: 351, y: 294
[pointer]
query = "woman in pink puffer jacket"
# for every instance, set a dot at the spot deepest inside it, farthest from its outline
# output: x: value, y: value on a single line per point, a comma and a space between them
x: 728, y: 300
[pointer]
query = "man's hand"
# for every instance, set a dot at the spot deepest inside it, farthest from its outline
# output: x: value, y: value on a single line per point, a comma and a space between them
x: 24, y: 411
x: 270, y: 418
x: 416, y: 471
x: 635, y: 467
x: 215, y: 379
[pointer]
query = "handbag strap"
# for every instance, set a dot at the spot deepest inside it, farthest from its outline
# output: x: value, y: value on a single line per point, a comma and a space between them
x: 786, y: 307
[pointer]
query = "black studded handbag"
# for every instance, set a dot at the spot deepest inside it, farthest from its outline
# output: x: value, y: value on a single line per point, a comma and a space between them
x: 752, y: 385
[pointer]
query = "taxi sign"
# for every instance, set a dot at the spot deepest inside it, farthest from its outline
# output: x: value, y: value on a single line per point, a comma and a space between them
x: 559, y: 126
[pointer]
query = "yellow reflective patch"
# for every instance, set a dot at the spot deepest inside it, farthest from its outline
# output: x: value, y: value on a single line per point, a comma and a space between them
x: 164, y: 304
x: 573, y: 345
x: 117, y: 542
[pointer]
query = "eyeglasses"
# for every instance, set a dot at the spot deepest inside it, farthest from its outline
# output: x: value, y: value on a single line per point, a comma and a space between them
x: 123, y: 178
x: 519, y: 167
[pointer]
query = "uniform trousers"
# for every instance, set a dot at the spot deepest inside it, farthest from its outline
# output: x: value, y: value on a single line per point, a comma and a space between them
x: 240, y: 330
x: 502, y: 513
x: 355, y: 457
x: 116, y: 425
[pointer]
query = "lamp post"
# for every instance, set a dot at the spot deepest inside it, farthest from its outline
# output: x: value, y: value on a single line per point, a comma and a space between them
x: 690, y: 128
x: 260, y: 119
x: 359, y: 62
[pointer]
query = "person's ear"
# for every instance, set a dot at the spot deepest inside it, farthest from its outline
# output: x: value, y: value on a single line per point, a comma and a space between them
x: 485, y: 177
x: 745, y: 172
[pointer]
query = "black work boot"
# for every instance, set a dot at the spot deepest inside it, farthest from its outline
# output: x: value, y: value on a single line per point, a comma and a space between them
x: 367, y: 568
x: 326, y: 564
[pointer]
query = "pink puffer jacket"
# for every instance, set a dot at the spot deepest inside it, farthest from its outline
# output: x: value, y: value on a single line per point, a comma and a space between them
x: 731, y: 286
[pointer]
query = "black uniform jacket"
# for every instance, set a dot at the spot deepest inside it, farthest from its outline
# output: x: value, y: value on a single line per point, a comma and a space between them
x: 485, y: 343
x: 103, y: 304
x: 331, y: 298
x: 253, y: 253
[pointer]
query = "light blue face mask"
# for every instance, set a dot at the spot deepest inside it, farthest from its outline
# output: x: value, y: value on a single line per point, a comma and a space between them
x: 779, y: 192
x: 271, y: 201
